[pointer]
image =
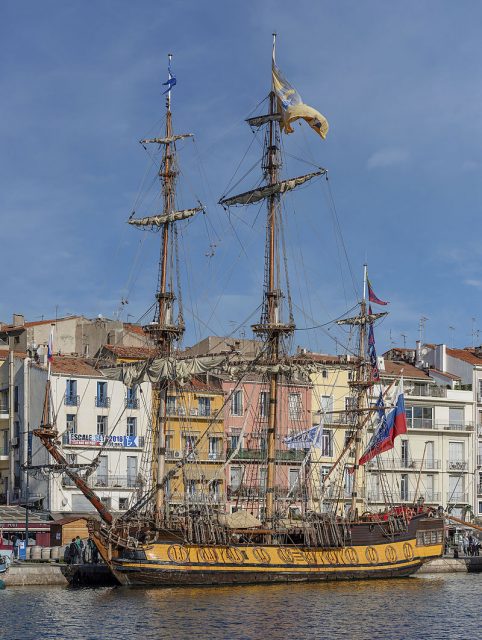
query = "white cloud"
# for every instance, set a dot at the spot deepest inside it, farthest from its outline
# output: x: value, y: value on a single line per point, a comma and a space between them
x: 387, y: 158
x: 474, y: 283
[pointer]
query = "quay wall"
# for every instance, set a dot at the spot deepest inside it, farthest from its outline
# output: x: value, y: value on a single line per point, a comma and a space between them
x: 34, y: 574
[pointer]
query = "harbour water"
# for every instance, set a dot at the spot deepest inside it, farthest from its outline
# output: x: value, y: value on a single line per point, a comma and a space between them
x: 429, y: 607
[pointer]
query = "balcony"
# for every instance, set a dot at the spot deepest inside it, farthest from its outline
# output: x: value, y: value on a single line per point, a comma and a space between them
x: 99, y: 440
x: 198, y: 498
x: 102, y: 402
x: 72, y: 401
x: 131, y: 403
x: 457, y: 497
x: 400, y: 463
x: 425, y: 391
x: 457, y: 465
x: 259, y: 492
x: 430, y: 497
x: 421, y: 423
x: 105, y: 480
x: 282, y: 455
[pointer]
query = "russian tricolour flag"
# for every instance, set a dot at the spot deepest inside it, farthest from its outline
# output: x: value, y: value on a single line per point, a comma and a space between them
x: 390, y: 426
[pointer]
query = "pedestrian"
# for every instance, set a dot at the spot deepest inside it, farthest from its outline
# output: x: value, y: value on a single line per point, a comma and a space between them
x: 80, y: 548
x: 465, y: 543
x: 14, y: 545
x: 471, y: 544
x: 74, y: 552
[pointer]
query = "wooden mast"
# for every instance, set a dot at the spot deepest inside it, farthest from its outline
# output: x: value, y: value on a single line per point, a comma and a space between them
x: 361, y: 383
x: 270, y: 326
x: 163, y: 330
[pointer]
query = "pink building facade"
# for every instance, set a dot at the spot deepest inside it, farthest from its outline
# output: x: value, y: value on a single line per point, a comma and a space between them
x: 246, y: 421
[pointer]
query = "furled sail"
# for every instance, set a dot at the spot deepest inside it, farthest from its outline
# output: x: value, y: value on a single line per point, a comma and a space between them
x: 250, y: 197
x: 167, y: 140
x: 158, y: 221
x: 366, y: 319
x: 259, y: 121
x: 170, y: 369
x: 291, y: 370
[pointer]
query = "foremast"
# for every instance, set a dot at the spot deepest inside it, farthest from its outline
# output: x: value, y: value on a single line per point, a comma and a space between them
x: 168, y: 326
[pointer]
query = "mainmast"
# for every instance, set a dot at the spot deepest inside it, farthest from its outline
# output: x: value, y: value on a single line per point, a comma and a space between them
x: 165, y: 329
x: 271, y: 327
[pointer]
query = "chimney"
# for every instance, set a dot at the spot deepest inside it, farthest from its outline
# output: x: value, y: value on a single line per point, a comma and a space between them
x: 18, y: 320
x: 418, y: 354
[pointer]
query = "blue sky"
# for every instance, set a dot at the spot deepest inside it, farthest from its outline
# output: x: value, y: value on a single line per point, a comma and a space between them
x: 399, y: 84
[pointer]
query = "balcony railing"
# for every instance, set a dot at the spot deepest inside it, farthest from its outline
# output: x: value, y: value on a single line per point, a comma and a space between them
x: 428, y: 391
x: 457, y: 497
x: 99, y: 440
x: 4, y: 407
x: 282, y: 455
x: 431, y: 497
x: 107, y: 480
x: 72, y: 401
x: 427, y: 423
x: 409, y: 463
x: 197, y: 498
x: 457, y: 465
x: 259, y: 491
x: 131, y: 403
x: 4, y: 451
x: 479, y: 490
x: 102, y: 402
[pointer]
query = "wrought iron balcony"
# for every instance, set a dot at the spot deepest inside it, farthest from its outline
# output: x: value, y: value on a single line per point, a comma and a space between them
x: 131, y: 403
x: 259, y: 492
x: 430, y: 497
x: 283, y: 455
x: 457, y: 465
x: 106, y: 480
x: 102, y: 402
x: 406, y: 463
x: 71, y: 400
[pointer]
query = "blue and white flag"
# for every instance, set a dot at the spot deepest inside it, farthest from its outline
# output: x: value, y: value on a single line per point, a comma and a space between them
x: 306, y: 439
x: 171, y: 81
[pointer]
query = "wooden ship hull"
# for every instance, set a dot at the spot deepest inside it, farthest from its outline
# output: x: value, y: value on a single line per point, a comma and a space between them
x: 371, y: 555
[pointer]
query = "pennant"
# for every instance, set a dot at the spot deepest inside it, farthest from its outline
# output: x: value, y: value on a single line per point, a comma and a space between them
x: 371, y: 295
x: 170, y: 82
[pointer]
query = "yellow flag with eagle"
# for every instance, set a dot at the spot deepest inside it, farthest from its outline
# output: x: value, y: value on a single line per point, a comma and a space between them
x: 293, y: 108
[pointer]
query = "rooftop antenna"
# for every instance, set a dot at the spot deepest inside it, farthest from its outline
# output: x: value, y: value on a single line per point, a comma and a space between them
x: 404, y: 337
x: 421, y: 328
x: 452, y: 333
x: 475, y: 333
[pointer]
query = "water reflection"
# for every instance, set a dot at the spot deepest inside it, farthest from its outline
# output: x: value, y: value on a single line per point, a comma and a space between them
x: 443, y: 606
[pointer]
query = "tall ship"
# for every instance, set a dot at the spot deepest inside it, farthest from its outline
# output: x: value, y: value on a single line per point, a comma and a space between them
x: 273, y: 531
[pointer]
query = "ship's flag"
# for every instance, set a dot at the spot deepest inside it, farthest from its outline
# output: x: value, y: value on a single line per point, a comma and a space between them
x: 372, y: 352
x: 293, y: 108
x: 305, y: 439
x: 371, y: 295
x: 50, y: 351
x: 170, y: 82
x: 389, y: 427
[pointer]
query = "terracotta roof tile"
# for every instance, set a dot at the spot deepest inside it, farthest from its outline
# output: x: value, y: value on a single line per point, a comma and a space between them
x: 134, y: 328
x: 445, y: 373
x: 467, y: 355
x: 136, y: 353
x: 74, y: 366
x: 398, y: 368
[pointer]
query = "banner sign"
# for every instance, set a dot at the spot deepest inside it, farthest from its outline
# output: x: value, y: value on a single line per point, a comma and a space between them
x: 97, y: 440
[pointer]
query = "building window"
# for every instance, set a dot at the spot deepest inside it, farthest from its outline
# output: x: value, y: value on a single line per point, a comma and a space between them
x: 263, y: 404
x: 189, y: 443
x: 234, y: 438
x: 215, y: 446
x: 131, y: 398
x: 132, y: 427
x: 71, y: 423
x: 480, y: 506
x: 191, y: 487
x: 327, y: 443
x: 404, y: 453
x: 419, y: 417
x: 204, y: 406
x: 324, y: 373
x: 294, y: 406
x: 171, y: 405
x: 293, y: 478
x: 15, y: 399
x: 404, y: 486
x: 71, y: 397
x: 101, y: 399
x: 101, y: 425
x: 123, y: 504
x: 237, y: 403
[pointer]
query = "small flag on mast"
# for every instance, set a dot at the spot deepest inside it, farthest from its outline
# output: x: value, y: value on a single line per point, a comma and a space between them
x: 371, y: 295
x: 170, y: 82
x: 50, y: 352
